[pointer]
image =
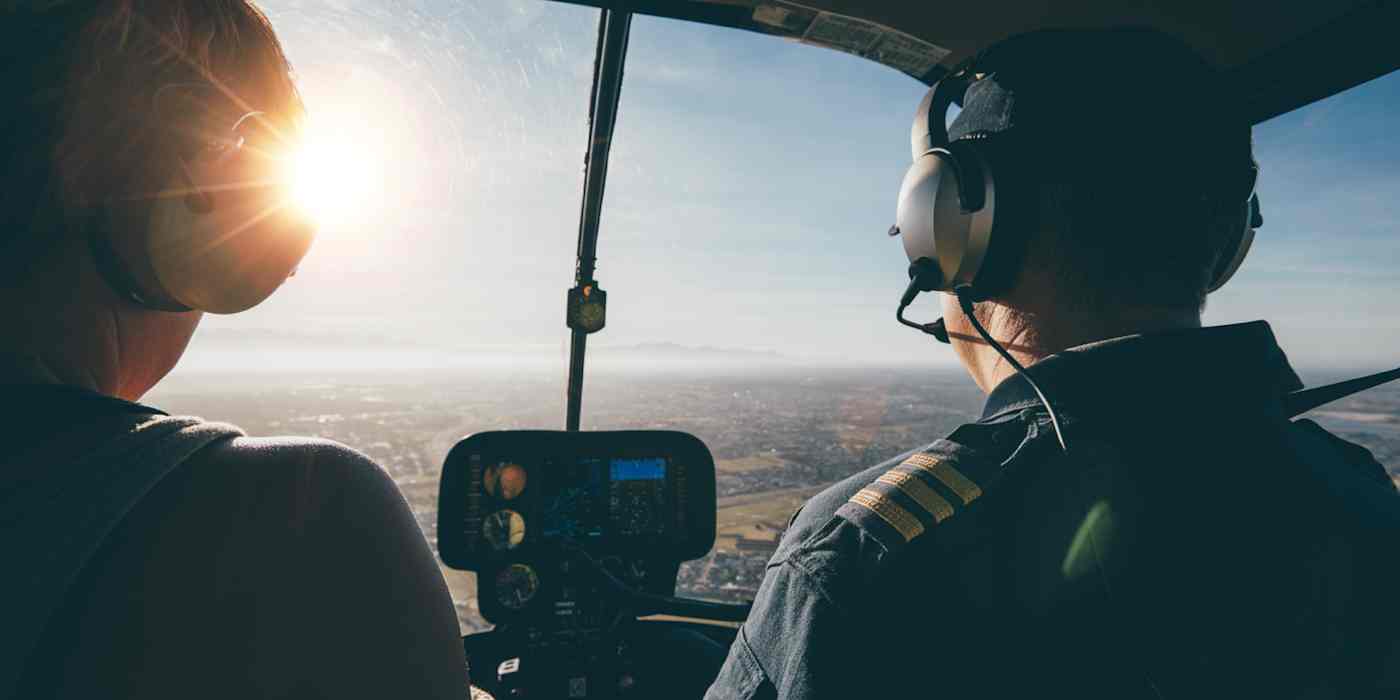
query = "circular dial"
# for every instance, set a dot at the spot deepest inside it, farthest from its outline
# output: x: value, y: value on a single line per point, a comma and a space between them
x: 505, y: 480
x: 516, y: 585
x: 503, y: 530
x: 590, y: 316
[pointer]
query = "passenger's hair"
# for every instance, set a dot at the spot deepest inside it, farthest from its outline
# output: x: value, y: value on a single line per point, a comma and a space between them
x: 80, y: 78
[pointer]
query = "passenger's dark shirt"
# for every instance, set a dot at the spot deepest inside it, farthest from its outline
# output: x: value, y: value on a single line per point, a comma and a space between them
x: 1193, y: 543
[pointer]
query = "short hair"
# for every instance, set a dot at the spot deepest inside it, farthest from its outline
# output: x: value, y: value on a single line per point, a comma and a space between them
x: 1129, y: 173
x: 81, y: 78
x: 1114, y: 233
x: 1130, y: 244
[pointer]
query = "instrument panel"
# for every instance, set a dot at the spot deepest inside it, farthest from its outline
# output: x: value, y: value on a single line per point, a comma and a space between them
x: 521, y: 495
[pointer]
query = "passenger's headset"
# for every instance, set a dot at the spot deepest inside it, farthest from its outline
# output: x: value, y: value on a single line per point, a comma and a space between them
x: 220, y: 237
x: 956, y: 222
x: 965, y: 235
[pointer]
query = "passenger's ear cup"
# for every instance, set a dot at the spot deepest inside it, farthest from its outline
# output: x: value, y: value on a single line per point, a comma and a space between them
x: 233, y: 256
x: 219, y: 234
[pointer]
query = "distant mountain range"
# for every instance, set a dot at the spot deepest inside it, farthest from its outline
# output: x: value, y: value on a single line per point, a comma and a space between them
x: 351, y: 341
x: 676, y: 351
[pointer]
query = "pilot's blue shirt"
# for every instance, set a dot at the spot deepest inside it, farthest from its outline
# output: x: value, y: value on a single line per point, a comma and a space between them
x: 1193, y: 543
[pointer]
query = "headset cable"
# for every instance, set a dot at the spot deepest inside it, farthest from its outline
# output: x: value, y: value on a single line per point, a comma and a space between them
x: 964, y: 294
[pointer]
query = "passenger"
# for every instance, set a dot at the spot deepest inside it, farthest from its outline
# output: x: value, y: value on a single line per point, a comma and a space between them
x: 1191, y: 541
x: 147, y: 556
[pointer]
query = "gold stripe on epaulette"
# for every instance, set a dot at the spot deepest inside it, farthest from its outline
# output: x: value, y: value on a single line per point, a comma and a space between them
x: 965, y: 488
x: 898, y: 518
x: 927, y: 498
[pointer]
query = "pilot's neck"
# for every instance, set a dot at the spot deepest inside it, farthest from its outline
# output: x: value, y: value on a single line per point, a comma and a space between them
x: 1031, y: 337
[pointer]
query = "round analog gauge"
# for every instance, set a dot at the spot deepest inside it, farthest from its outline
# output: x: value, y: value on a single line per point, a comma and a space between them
x: 591, y: 316
x: 516, y: 585
x: 505, y: 480
x: 504, y: 529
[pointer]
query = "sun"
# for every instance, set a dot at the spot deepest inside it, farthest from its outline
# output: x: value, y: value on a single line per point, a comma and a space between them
x: 333, y: 173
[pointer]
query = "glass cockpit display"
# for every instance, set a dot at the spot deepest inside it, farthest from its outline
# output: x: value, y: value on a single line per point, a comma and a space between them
x: 512, y: 495
x: 637, y: 496
x: 577, y: 507
x: 579, y: 499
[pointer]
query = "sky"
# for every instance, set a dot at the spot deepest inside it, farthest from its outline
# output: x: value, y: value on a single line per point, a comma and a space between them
x: 752, y: 181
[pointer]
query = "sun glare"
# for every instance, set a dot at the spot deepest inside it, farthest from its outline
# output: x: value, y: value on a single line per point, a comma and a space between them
x: 333, y: 174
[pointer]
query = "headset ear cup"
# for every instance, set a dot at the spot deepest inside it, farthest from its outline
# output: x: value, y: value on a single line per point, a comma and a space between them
x: 989, y: 250
x: 925, y: 216
x: 1233, y: 255
x: 114, y: 234
x: 230, y: 253
x: 939, y: 221
x: 1007, y: 222
x: 229, y: 259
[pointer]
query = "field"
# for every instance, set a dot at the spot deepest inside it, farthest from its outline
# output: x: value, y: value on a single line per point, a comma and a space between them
x: 757, y: 519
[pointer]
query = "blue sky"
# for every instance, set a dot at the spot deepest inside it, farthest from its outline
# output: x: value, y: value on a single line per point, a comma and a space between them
x: 752, y: 182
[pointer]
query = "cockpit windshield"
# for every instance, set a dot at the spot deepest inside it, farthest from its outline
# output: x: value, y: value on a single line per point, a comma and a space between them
x: 443, y: 157
x: 752, y: 286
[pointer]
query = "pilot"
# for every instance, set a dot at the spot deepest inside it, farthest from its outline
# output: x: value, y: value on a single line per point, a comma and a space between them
x: 150, y: 556
x: 1135, y: 515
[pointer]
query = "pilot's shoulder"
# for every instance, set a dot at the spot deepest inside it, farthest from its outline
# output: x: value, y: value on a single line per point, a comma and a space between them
x: 1363, y: 464
x: 882, y: 509
x: 1348, y: 476
x: 819, y: 509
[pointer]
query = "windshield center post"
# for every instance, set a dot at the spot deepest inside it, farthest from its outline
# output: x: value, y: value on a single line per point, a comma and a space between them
x: 587, y: 302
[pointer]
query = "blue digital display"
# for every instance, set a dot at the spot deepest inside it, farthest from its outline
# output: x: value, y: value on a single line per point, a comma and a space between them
x: 647, y: 468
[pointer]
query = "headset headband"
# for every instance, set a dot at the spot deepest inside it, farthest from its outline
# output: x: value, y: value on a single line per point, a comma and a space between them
x: 930, y: 128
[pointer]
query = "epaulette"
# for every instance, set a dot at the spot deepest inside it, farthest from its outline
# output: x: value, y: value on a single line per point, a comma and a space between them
x: 925, y: 489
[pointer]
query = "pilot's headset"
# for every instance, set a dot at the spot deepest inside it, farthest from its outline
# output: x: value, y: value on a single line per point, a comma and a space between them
x: 963, y: 221
x: 221, y: 235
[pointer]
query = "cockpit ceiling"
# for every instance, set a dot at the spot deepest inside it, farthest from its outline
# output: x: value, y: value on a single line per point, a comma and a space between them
x: 1281, y: 54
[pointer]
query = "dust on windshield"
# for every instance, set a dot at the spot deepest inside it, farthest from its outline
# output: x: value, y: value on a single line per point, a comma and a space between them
x: 751, y: 286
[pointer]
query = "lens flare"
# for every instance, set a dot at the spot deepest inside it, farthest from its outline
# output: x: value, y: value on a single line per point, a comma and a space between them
x: 332, y: 178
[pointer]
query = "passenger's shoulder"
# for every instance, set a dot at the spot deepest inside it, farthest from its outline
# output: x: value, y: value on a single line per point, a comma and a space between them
x: 298, y: 494
x: 324, y: 467
x: 285, y: 452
